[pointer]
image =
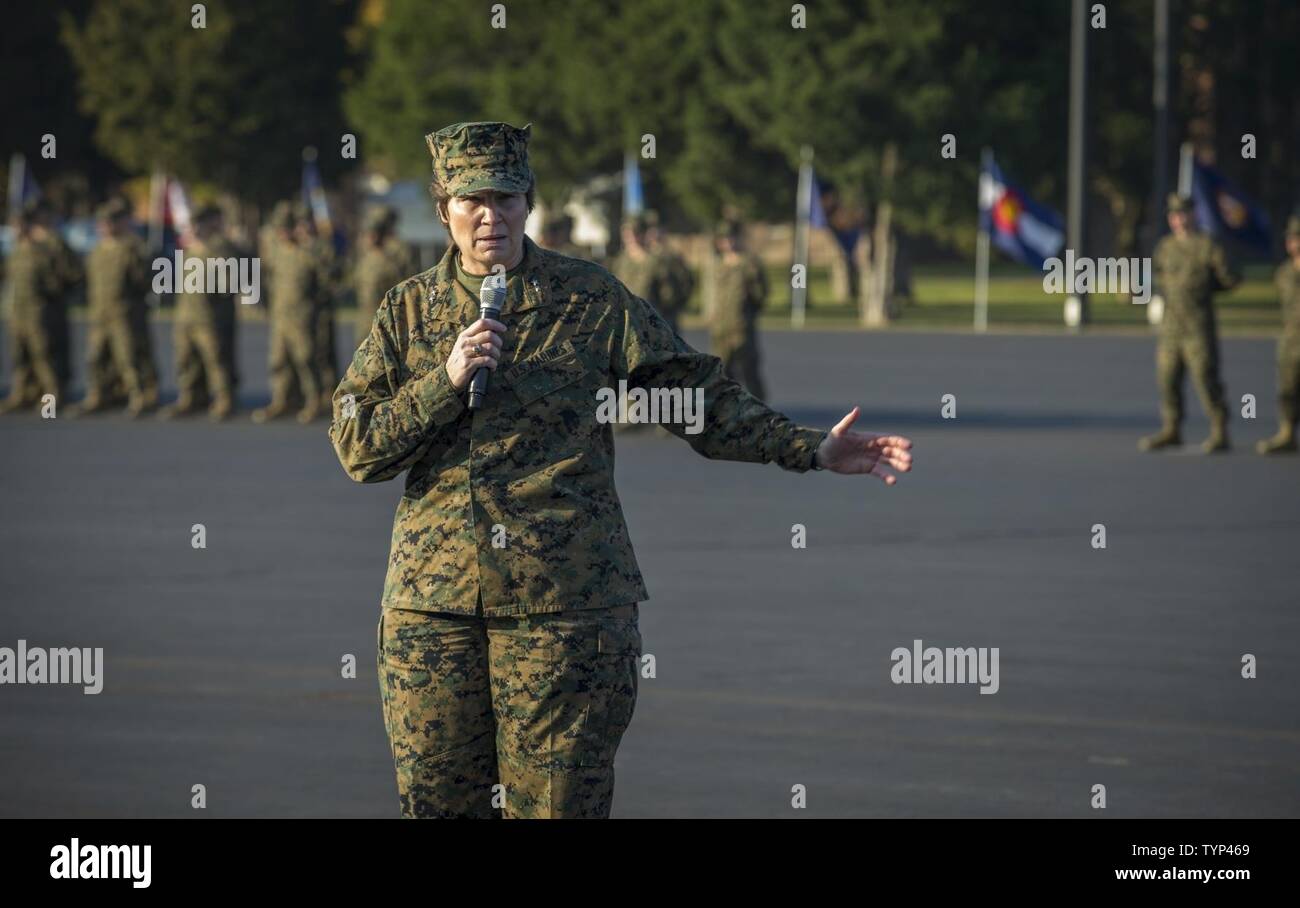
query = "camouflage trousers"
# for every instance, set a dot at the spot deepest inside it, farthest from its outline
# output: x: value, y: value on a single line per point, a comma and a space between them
x: 1288, y: 381
x: 740, y: 361
x: 202, y: 363
x: 120, y: 360
x: 39, y: 357
x: 516, y: 717
x: 1198, y: 354
x: 294, y: 364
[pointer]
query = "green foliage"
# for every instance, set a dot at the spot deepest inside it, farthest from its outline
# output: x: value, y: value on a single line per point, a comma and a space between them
x: 729, y: 90
x: 231, y: 104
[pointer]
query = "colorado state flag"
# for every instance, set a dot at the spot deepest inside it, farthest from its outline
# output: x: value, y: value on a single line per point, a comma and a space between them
x: 1028, y: 232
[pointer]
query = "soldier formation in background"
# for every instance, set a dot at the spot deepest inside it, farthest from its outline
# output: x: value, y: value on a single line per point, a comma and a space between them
x: 39, y: 274
x: 1190, y: 267
x: 299, y: 271
x: 740, y: 291
x: 119, y: 361
x: 1288, y: 346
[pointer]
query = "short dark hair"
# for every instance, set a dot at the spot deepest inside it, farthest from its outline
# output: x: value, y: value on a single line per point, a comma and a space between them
x: 441, y: 196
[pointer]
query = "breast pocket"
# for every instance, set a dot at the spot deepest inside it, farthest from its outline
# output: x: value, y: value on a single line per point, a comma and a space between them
x: 538, y: 381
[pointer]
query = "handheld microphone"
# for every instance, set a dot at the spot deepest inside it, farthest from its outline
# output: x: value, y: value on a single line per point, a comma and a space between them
x: 490, y: 298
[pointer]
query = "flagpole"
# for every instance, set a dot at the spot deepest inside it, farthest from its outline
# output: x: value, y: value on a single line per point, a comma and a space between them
x: 802, y: 212
x: 1184, y: 170
x: 982, y: 248
x: 1077, y: 304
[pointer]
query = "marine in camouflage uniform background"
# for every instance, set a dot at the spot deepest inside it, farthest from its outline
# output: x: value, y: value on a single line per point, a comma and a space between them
x: 382, y: 261
x: 1189, y: 268
x: 298, y: 284
x: 1287, y: 280
x: 557, y: 236
x: 119, y: 349
x: 740, y: 291
x: 320, y: 247
x: 652, y: 271
x: 204, y: 329
x: 39, y: 274
x: 517, y: 664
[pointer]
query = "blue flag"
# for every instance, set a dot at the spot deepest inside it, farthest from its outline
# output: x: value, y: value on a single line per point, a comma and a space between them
x: 633, y: 198
x: 847, y: 237
x: 313, y: 192
x: 22, y: 185
x: 1028, y: 232
x: 1222, y: 210
x: 816, y: 214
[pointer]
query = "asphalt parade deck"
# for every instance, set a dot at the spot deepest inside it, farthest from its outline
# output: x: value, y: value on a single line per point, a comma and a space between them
x: 1118, y: 666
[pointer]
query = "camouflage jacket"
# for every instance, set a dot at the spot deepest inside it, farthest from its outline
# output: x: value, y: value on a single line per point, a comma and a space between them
x: 299, y: 283
x: 117, y: 276
x: 1287, y: 279
x: 39, y: 275
x: 516, y: 501
x: 739, y: 294
x: 1188, y: 271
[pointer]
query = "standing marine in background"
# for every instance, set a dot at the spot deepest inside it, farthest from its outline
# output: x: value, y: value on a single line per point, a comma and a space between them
x: 297, y: 286
x: 681, y: 280
x: 204, y: 328
x: 651, y: 271
x: 382, y: 262
x: 1190, y: 267
x: 1288, y: 346
x: 557, y: 236
x: 119, y: 358
x: 320, y: 247
x: 38, y: 276
x: 740, y: 291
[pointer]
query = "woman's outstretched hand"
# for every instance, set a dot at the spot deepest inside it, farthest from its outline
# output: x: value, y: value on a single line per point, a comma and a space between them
x: 843, y: 451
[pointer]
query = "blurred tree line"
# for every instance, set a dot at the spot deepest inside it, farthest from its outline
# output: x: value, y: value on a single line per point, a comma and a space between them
x: 728, y: 88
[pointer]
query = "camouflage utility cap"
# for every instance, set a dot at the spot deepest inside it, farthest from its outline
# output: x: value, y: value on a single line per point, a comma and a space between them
x: 1178, y: 203
x: 1293, y: 225
x: 470, y: 157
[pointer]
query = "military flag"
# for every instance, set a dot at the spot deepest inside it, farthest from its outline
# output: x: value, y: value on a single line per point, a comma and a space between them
x: 1222, y: 210
x: 313, y: 193
x: 1026, y: 231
